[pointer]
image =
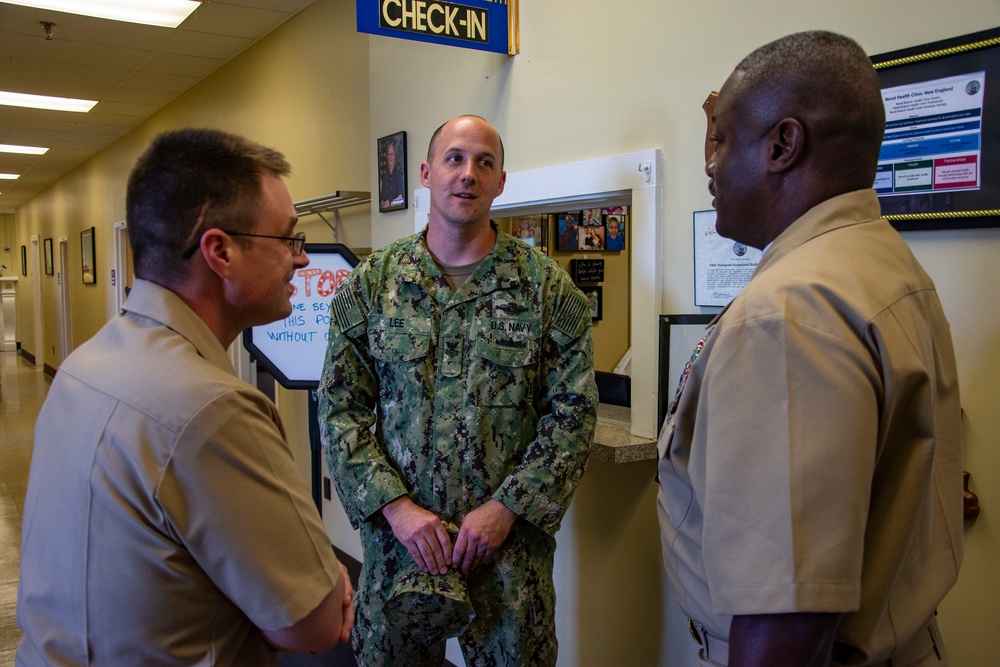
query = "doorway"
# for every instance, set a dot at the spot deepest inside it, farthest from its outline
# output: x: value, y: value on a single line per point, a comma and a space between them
x: 65, y: 313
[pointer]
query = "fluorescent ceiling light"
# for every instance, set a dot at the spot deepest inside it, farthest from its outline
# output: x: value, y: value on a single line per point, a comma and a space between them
x: 46, y: 102
x: 166, y: 13
x: 10, y: 177
x: 23, y: 150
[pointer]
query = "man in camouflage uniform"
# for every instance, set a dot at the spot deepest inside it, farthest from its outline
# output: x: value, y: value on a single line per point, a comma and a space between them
x: 470, y: 353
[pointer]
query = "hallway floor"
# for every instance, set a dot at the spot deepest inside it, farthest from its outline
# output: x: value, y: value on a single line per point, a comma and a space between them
x: 22, y: 392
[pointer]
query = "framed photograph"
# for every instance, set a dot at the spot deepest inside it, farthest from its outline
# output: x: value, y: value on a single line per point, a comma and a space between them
x: 595, y: 297
x: 392, y: 172
x: 614, y: 232
x: 47, y: 254
x: 567, y: 229
x: 591, y: 217
x: 87, y: 256
x: 939, y: 167
x: 24, y: 260
x: 527, y: 228
x: 615, y: 210
x: 591, y: 238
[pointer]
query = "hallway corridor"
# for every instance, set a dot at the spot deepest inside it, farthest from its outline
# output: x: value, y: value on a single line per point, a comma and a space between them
x: 22, y: 391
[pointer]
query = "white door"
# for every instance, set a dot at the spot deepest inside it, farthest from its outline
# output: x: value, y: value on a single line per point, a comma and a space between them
x: 65, y: 314
x: 35, y: 272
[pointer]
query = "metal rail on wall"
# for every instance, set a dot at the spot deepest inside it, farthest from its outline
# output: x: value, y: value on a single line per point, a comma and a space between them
x: 332, y: 202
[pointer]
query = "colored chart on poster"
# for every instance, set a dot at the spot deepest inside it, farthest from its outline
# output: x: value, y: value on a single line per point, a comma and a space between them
x: 933, y: 136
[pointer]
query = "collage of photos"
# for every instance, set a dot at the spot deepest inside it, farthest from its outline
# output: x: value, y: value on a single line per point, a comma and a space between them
x: 591, y: 229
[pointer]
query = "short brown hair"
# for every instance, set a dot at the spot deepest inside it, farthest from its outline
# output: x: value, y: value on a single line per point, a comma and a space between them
x: 188, y: 181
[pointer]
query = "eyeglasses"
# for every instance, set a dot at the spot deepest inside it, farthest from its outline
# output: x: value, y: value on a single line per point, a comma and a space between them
x: 297, y: 242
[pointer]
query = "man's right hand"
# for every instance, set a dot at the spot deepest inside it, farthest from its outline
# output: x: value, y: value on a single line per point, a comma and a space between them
x: 421, y: 532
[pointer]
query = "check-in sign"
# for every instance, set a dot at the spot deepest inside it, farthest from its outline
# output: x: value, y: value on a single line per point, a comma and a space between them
x: 485, y: 25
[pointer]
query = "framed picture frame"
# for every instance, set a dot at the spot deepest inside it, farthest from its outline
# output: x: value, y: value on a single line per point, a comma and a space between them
x: 47, y: 256
x: 567, y: 231
x: 939, y: 167
x: 392, y: 186
x: 24, y: 260
x: 595, y: 297
x: 87, y: 256
x: 614, y: 232
x: 527, y: 228
x: 591, y: 238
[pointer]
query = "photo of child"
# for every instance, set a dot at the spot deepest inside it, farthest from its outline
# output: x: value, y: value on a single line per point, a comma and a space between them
x: 614, y: 238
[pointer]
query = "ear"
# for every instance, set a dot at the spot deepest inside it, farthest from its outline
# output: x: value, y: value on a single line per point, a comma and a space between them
x: 786, y: 145
x: 217, y: 251
x: 503, y: 182
x: 425, y: 173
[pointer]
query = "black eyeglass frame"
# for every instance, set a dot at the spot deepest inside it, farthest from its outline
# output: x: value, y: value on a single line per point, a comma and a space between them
x: 297, y: 242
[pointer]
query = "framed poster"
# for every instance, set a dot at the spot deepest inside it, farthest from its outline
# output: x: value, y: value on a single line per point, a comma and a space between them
x: 392, y: 172
x: 87, y: 256
x: 679, y: 334
x: 47, y: 254
x: 722, y: 267
x: 939, y: 167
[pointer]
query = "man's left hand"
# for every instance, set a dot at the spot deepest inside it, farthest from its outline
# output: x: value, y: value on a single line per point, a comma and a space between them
x: 482, y: 532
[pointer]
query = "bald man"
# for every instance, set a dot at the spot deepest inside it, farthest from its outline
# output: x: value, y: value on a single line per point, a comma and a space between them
x: 810, y: 468
x: 470, y: 354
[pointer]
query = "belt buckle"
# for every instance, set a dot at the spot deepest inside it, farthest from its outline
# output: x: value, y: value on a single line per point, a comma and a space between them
x: 694, y: 632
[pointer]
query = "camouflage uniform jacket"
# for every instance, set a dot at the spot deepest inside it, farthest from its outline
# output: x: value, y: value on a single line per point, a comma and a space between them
x: 484, y: 392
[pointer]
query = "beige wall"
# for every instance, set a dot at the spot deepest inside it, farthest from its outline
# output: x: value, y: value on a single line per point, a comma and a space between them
x: 593, y: 79
x: 303, y: 90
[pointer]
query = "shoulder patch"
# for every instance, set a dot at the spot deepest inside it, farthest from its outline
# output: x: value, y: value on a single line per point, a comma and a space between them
x: 572, y: 315
x: 345, y: 308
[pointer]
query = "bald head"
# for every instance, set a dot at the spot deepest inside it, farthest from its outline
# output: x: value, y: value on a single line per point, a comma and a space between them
x: 827, y: 82
x: 432, y: 146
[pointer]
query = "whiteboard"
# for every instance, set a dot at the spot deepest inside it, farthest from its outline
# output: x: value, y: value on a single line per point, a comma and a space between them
x: 292, y: 349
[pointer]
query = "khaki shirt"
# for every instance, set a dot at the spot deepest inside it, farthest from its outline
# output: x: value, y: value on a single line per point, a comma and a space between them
x: 814, y: 461
x: 165, y: 519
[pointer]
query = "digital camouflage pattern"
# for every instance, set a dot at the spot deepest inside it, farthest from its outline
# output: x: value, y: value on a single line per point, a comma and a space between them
x: 485, y: 392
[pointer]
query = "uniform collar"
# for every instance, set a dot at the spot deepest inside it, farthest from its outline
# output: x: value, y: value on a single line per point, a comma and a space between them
x: 159, y: 304
x: 495, y: 272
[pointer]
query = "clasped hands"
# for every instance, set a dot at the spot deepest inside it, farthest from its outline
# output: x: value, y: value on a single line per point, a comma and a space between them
x: 424, y: 535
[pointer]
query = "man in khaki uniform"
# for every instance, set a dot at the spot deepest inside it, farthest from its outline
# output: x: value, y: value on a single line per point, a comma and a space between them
x: 811, y: 500
x: 165, y: 521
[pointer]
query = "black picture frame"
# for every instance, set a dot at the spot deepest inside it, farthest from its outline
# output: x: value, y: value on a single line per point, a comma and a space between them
x: 618, y: 242
x: 87, y: 261
x: 567, y: 231
x: 679, y: 333
x: 390, y: 198
x: 47, y: 256
x: 24, y: 260
x: 926, y: 207
x: 595, y: 297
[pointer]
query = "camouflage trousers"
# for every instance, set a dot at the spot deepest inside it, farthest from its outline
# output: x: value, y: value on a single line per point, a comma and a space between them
x: 512, y: 594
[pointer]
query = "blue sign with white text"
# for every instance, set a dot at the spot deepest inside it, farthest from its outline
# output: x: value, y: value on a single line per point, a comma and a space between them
x: 471, y: 24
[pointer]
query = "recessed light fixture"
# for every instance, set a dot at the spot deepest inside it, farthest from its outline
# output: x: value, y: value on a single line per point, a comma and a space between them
x: 166, y: 13
x: 10, y: 177
x: 45, y: 102
x: 23, y: 150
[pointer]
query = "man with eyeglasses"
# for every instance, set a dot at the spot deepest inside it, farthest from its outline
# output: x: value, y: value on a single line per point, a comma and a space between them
x: 165, y: 520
